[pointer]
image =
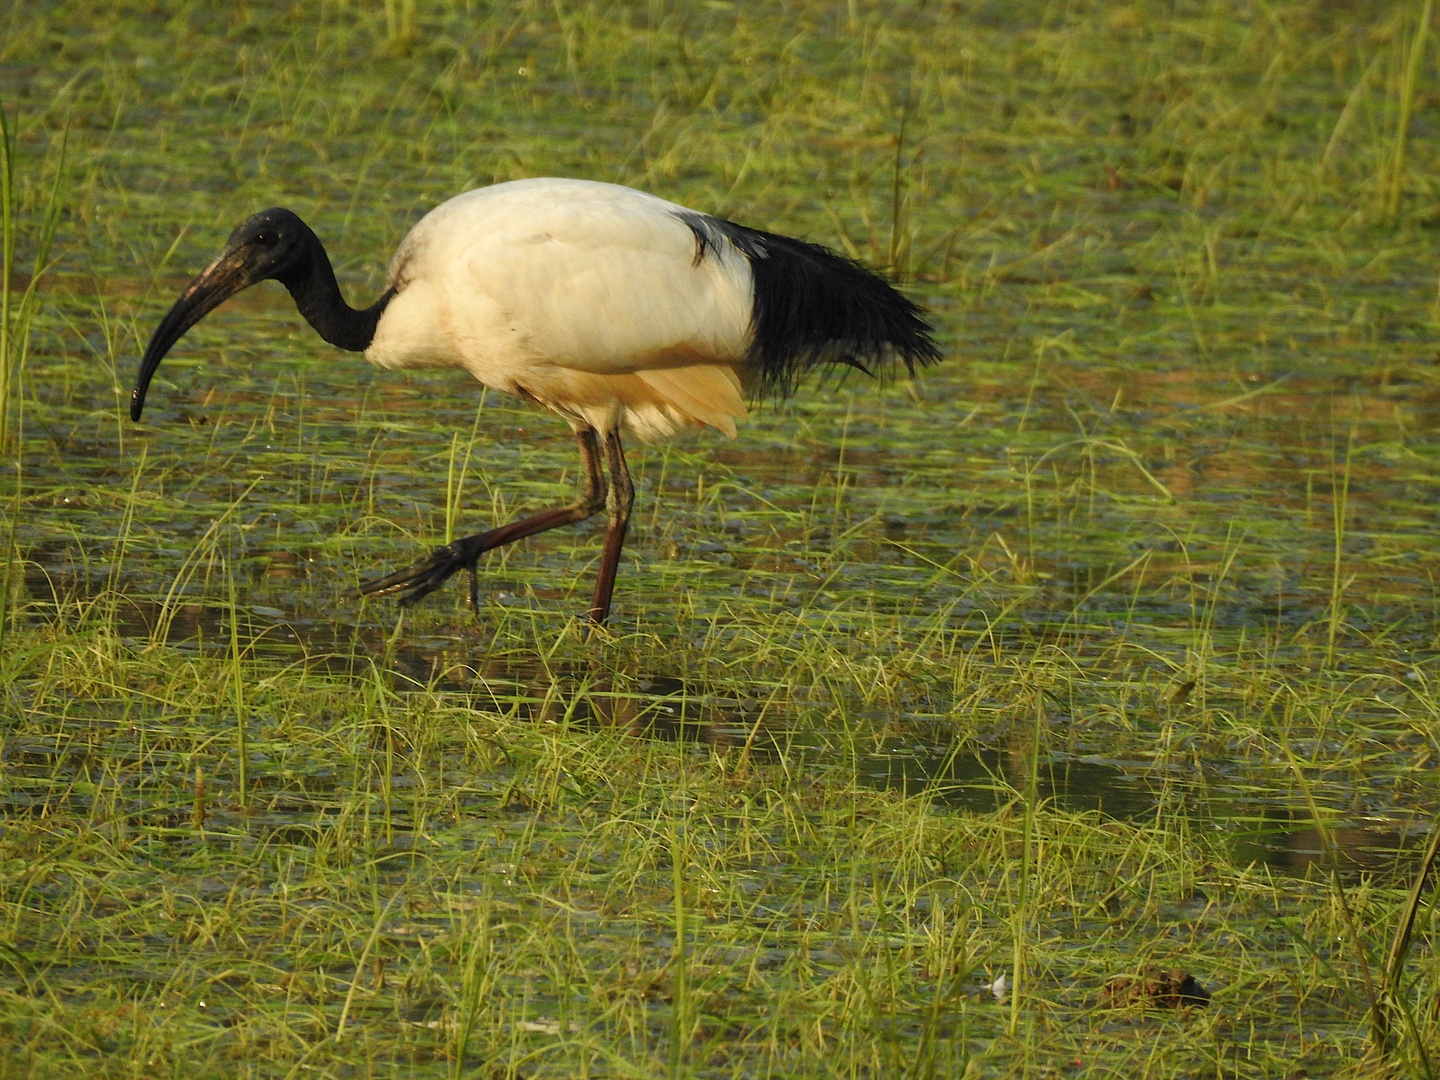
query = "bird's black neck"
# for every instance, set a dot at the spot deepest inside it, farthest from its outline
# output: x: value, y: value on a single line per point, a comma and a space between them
x: 317, y: 294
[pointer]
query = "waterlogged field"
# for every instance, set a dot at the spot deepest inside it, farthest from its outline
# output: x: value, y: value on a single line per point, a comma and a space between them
x: 926, y: 710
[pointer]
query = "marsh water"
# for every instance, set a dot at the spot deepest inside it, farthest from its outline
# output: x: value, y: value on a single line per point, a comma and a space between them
x: 1226, y: 528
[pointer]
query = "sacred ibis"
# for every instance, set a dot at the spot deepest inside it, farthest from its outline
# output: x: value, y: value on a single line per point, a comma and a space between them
x: 624, y: 313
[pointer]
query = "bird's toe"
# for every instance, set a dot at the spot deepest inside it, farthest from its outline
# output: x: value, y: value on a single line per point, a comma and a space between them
x: 420, y: 578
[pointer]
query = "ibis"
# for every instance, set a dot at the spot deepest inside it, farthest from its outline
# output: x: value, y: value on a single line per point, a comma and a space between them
x: 630, y: 316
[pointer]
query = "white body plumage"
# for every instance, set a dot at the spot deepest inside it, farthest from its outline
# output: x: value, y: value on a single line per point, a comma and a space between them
x: 588, y: 298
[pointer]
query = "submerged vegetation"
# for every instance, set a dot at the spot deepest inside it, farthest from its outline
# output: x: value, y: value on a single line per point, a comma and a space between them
x: 934, y: 718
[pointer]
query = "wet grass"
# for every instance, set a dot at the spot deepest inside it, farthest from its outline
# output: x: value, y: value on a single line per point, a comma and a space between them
x: 1110, y: 643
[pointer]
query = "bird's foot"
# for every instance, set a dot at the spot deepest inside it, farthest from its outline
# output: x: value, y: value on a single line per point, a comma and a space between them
x: 424, y: 577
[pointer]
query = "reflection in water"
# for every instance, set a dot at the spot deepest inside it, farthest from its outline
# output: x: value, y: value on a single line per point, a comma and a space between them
x: 654, y: 706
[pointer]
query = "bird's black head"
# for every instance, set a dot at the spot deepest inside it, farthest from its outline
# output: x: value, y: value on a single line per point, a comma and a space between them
x: 274, y: 243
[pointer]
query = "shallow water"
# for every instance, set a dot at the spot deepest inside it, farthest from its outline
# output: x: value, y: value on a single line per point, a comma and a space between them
x: 1256, y: 814
x: 1122, y: 515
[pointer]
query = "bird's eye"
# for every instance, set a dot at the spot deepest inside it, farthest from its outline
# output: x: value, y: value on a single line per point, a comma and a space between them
x: 265, y: 239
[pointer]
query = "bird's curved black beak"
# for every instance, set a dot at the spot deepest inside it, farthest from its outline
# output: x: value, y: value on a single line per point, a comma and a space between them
x: 219, y: 281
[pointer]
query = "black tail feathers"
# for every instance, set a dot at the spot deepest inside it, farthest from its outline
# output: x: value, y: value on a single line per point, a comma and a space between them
x: 814, y: 308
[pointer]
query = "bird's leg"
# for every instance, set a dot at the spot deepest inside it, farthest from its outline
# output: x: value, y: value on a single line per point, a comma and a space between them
x: 588, y: 501
x: 429, y: 573
x: 617, y: 503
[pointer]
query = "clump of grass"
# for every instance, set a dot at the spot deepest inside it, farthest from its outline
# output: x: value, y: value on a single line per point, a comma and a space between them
x: 16, y: 318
